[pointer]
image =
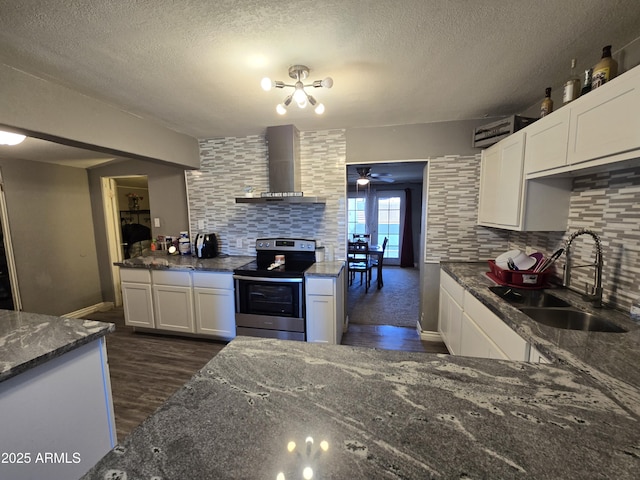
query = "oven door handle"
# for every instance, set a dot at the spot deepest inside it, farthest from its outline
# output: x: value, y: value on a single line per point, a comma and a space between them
x: 268, y: 279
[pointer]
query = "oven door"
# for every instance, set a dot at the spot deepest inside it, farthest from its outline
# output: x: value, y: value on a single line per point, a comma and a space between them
x: 278, y: 297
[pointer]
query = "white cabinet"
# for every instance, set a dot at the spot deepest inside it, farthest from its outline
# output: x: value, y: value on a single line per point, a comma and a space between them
x: 510, y: 202
x: 325, y: 310
x: 450, y: 313
x: 606, y: 122
x: 508, y: 344
x: 469, y: 328
x: 214, y: 304
x: 137, y: 297
x: 536, y: 357
x: 501, y: 183
x: 173, y: 301
x: 547, y: 142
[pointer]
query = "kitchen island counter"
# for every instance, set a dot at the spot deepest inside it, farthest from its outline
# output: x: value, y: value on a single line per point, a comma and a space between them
x: 382, y: 414
x: 30, y: 339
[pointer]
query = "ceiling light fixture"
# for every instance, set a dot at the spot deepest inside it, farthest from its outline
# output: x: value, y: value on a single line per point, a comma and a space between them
x: 299, y: 73
x: 8, y: 138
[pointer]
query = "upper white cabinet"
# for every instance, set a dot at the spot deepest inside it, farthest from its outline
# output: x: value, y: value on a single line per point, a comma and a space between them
x: 607, y: 121
x: 547, y: 142
x: 501, y: 183
x: 510, y: 202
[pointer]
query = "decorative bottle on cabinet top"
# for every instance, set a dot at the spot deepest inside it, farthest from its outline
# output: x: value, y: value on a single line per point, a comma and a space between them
x: 605, y: 70
x: 547, y: 104
x: 586, y: 87
x: 572, y: 86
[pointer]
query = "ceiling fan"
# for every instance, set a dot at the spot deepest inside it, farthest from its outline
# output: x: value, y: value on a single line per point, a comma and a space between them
x: 365, y: 176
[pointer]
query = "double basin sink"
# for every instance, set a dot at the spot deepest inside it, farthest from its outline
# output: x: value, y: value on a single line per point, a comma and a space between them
x: 552, y: 311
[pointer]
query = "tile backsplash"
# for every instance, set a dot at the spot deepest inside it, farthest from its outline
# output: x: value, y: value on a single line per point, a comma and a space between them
x: 609, y: 204
x: 230, y: 164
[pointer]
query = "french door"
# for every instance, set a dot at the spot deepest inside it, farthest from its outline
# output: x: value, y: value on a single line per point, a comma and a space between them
x: 380, y: 215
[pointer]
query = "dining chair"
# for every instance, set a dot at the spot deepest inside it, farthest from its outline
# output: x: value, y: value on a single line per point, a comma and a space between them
x: 358, y: 261
x: 376, y: 262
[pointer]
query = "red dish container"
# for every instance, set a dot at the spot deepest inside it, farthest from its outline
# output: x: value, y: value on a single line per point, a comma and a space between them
x: 516, y: 278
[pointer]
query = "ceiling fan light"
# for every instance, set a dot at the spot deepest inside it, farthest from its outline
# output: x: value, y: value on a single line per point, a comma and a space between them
x: 319, y: 109
x: 267, y: 84
x: 8, y: 138
x: 362, y: 181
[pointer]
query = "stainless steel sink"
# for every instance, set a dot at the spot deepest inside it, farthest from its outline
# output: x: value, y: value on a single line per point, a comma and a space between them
x: 528, y: 298
x: 571, y: 319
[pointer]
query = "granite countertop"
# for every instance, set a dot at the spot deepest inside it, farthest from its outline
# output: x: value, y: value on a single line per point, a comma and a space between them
x: 382, y: 414
x: 611, y: 359
x: 30, y: 339
x: 161, y: 261
x: 325, y: 269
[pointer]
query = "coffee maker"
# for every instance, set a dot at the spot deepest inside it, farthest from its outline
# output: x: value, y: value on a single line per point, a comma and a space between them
x: 206, y: 245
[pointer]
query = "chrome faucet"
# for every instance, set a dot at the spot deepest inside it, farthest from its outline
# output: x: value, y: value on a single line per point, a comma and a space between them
x: 596, y: 291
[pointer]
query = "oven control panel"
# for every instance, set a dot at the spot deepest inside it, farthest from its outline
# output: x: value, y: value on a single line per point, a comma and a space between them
x: 286, y: 244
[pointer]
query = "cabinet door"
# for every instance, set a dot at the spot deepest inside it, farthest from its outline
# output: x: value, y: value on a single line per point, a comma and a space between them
x: 501, y: 183
x: 450, y: 322
x: 547, y: 142
x: 215, y: 312
x: 321, y: 318
x: 173, y: 308
x: 606, y: 122
x: 138, y: 304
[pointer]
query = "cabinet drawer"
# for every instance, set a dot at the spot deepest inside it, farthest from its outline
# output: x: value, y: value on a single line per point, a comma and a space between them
x: 319, y: 286
x: 178, y: 279
x: 453, y: 288
x: 135, y: 275
x: 512, y: 344
x: 223, y: 281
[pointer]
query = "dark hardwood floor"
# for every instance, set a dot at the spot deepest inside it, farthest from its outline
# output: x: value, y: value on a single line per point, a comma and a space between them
x: 146, y: 369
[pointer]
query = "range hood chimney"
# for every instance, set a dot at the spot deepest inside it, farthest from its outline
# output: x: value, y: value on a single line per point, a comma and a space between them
x: 283, y: 144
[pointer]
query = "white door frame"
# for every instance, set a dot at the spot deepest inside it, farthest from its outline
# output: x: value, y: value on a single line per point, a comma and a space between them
x: 8, y: 247
x: 114, y: 234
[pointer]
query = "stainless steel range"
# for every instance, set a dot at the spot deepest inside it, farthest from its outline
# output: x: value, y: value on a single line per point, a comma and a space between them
x: 270, y: 290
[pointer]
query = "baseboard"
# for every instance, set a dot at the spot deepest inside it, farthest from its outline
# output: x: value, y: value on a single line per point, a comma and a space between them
x: 98, y: 307
x: 428, y: 336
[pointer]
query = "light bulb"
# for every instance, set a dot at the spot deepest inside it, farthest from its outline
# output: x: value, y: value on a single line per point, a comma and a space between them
x: 266, y: 84
x: 320, y: 109
x: 307, y: 473
x: 327, y: 82
x: 280, y: 108
x: 8, y: 138
x: 300, y: 97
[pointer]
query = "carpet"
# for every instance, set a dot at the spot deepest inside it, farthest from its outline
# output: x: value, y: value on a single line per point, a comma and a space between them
x: 397, y: 303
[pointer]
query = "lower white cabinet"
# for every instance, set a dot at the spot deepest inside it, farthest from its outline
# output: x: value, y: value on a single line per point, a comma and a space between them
x: 450, y: 313
x: 137, y: 297
x: 324, y: 298
x: 470, y: 329
x: 173, y: 301
x: 214, y: 304
x: 180, y: 301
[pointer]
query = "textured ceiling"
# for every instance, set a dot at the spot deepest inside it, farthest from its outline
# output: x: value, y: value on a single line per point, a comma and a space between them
x: 196, y: 64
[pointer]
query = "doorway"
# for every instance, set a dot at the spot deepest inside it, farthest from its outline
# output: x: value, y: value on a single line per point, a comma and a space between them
x: 377, y: 208
x: 127, y: 213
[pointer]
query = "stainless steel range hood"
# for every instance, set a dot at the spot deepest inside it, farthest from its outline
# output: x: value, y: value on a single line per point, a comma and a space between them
x: 284, y: 168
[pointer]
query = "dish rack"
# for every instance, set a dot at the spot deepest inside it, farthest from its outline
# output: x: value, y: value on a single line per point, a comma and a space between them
x: 516, y: 278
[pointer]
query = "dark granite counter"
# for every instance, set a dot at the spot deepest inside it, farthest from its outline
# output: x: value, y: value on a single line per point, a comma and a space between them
x: 325, y: 269
x: 30, y: 339
x: 611, y: 359
x: 382, y: 414
x: 160, y: 260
